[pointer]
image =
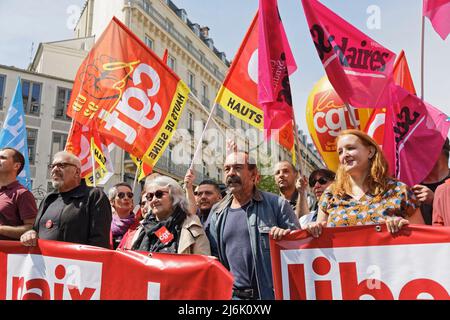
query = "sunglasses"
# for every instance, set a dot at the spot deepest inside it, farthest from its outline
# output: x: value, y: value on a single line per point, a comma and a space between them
x: 321, y: 180
x: 158, y: 194
x: 122, y: 195
x: 61, y: 165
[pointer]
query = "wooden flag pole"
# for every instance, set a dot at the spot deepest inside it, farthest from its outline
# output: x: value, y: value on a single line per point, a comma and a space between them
x: 94, y: 180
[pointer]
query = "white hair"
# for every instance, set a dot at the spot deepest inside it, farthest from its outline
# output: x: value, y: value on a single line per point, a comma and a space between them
x: 175, y: 191
x: 73, y: 159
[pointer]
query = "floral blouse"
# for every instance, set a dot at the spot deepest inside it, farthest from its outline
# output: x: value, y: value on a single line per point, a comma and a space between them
x: 397, y: 200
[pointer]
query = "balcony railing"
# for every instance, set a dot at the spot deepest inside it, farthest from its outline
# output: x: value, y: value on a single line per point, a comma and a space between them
x: 148, y: 8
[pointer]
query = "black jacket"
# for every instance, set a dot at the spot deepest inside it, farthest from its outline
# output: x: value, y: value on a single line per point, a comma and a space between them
x: 85, y: 220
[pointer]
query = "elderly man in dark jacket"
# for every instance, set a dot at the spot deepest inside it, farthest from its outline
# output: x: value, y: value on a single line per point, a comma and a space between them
x: 239, y: 226
x: 74, y: 212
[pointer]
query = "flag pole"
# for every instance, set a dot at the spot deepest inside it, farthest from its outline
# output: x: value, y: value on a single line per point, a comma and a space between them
x: 422, y: 59
x: 197, y: 150
x: 136, y: 177
x: 191, y: 95
x: 94, y: 180
x: 352, y: 117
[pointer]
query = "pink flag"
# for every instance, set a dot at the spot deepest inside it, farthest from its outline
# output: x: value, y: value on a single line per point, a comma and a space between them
x: 415, y: 132
x: 359, y: 68
x: 275, y: 64
x: 438, y: 11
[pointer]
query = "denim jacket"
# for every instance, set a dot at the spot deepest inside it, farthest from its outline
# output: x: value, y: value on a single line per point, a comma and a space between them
x: 265, y: 211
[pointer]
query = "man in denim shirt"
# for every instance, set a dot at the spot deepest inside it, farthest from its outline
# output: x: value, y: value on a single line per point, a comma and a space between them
x: 238, y: 228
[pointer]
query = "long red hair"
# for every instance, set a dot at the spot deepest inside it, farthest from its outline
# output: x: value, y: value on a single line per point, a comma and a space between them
x: 378, y: 176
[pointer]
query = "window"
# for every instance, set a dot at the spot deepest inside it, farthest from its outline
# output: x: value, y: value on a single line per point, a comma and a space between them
x: 62, y: 102
x: 204, y: 169
x: 32, y: 142
x: 146, y: 6
x: 31, y: 94
x: 219, y: 174
x: 169, y: 156
x: 148, y: 42
x: 171, y: 62
x: 2, y: 89
x: 58, y: 143
x: 205, y: 95
x: 169, y: 25
x: 190, y: 121
x: 232, y: 122
x: 191, y: 81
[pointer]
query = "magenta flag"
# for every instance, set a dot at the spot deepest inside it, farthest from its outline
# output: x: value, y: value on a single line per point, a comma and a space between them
x: 415, y: 132
x: 358, y: 67
x: 438, y: 11
x: 275, y: 64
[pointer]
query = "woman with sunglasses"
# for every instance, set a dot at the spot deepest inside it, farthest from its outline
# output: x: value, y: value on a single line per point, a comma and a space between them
x: 363, y: 192
x: 121, y: 199
x: 319, y: 181
x: 169, y: 228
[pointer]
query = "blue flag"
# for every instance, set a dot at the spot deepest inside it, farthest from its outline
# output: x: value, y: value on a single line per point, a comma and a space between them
x: 14, y: 133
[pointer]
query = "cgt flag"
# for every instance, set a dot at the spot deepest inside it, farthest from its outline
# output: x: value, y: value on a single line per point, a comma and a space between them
x: 14, y: 133
x: 402, y: 77
x: 414, y: 134
x: 359, y: 68
x: 85, y: 142
x: 438, y: 11
x: 239, y: 91
x: 126, y: 92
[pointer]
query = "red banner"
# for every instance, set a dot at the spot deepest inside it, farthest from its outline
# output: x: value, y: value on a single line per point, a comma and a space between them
x: 364, y: 262
x: 63, y: 271
x: 128, y: 93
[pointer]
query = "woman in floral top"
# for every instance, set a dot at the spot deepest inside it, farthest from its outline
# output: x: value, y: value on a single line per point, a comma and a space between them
x: 363, y: 193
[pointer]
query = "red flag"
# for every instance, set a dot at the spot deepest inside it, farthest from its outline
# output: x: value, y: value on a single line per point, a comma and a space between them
x: 402, y: 77
x: 239, y: 92
x: 359, y: 68
x: 126, y: 92
x: 415, y: 132
x: 275, y: 63
x: 438, y: 11
x: 80, y: 142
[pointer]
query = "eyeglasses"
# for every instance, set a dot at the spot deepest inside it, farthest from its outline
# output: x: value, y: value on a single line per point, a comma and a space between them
x: 122, y: 195
x: 158, y: 194
x: 61, y: 165
x: 321, y: 180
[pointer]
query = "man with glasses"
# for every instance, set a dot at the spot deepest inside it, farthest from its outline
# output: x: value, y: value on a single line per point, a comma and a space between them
x: 17, y: 205
x: 73, y: 212
x: 319, y: 180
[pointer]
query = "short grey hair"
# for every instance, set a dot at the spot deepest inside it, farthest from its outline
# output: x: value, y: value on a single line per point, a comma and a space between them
x: 73, y: 159
x: 176, y: 193
x: 112, y: 193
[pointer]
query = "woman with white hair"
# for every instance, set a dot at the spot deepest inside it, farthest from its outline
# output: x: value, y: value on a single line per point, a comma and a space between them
x: 169, y: 228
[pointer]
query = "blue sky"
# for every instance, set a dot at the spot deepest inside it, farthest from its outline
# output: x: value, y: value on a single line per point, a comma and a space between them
x: 26, y: 21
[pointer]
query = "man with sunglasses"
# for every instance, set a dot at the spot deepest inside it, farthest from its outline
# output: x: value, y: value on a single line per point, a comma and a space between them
x: 17, y: 205
x: 319, y: 180
x: 239, y: 226
x: 73, y: 212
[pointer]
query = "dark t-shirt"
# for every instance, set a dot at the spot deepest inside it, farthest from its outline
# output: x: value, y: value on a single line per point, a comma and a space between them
x: 236, y: 239
x: 17, y: 204
x: 427, y: 209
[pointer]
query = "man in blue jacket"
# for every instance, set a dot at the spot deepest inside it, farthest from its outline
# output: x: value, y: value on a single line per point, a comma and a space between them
x: 238, y: 228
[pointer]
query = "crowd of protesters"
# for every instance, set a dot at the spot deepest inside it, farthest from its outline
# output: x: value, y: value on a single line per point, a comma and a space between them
x: 234, y: 225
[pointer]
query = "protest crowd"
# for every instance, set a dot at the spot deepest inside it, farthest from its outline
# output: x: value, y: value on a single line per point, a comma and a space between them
x: 236, y: 225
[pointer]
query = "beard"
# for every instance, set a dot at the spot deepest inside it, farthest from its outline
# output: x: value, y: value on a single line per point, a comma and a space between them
x: 57, y: 184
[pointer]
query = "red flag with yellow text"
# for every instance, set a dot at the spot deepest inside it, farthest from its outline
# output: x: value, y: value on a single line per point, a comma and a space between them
x: 239, y: 92
x: 125, y: 91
